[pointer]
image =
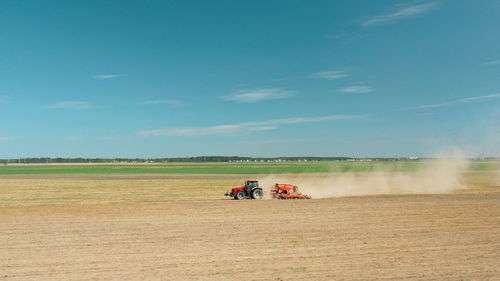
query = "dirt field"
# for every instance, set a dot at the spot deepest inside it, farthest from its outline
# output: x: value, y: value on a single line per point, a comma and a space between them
x: 179, y: 227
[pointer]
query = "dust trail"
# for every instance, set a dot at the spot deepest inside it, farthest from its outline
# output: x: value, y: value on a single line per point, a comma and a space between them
x: 437, y: 176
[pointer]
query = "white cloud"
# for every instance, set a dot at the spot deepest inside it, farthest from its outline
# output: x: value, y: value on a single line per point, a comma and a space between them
x: 262, y: 128
x: 172, y: 132
x: 356, y: 89
x: 478, y: 98
x: 108, y: 76
x: 434, y: 105
x: 7, y: 138
x: 72, y: 138
x: 297, y: 120
x: 493, y: 62
x: 329, y: 75
x: 242, y: 127
x: 461, y: 101
x: 257, y: 95
x: 402, y: 13
x: 72, y: 105
x: 170, y: 102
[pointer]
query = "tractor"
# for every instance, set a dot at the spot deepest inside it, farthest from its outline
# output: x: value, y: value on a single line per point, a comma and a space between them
x: 251, y: 190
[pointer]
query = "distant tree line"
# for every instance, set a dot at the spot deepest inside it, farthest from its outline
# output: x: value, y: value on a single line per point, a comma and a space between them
x: 37, y: 160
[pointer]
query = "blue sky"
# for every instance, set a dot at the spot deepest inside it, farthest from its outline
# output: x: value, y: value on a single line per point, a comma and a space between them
x: 250, y: 78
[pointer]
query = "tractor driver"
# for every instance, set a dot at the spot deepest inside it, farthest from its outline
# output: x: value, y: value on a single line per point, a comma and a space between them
x: 251, y: 185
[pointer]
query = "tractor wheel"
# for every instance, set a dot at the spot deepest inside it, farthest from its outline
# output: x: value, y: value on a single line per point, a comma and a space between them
x: 240, y: 195
x: 257, y: 193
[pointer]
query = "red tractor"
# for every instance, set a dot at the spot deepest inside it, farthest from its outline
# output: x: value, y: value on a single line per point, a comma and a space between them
x: 251, y: 190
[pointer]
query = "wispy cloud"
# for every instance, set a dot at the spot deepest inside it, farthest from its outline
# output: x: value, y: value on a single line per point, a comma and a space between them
x: 434, y: 105
x: 258, y: 95
x: 71, y: 105
x: 7, y: 138
x: 4, y: 99
x: 478, y: 98
x: 169, y: 102
x: 401, y: 13
x: 242, y: 127
x: 108, y: 76
x: 261, y: 128
x: 329, y: 75
x: 72, y: 138
x: 460, y: 101
x: 356, y: 89
x: 493, y: 62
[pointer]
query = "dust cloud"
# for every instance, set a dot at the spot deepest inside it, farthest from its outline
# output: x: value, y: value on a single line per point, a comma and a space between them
x: 441, y: 175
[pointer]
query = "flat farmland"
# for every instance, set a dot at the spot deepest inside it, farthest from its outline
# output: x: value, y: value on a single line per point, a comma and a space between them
x: 227, y: 168
x: 178, y: 226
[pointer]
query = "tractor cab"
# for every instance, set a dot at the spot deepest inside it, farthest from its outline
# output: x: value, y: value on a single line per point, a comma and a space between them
x: 251, y: 184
